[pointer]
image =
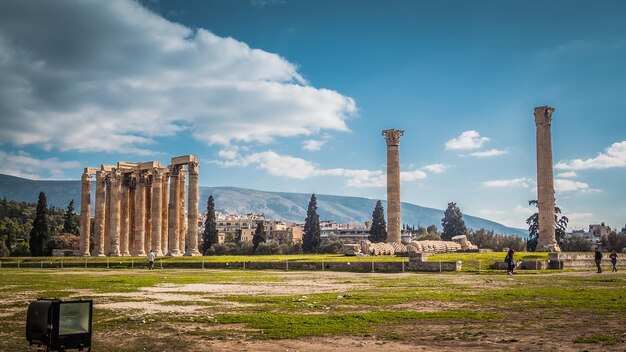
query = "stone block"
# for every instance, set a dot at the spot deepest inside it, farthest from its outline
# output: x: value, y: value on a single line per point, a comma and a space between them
x: 184, y: 159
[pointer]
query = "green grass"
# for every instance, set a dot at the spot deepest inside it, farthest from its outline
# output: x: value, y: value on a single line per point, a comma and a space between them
x: 599, y: 338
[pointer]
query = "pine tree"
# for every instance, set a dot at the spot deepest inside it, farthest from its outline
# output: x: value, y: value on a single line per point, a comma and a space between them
x: 40, y: 234
x: 209, y: 236
x: 259, y: 236
x: 452, y: 222
x: 378, y: 230
x: 533, y: 227
x: 311, y: 238
x: 70, y: 220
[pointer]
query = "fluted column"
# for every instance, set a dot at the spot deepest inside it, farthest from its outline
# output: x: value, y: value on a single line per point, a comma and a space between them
x: 182, y: 214
x: 393, y: 184
x: 125, y: 217
x: 173, y: 212
x: 114, y: 230
x: 148, y: 211
x: 85, y: 216
x: 157, y: 181
x: 546, y: 241
x: 164, y: 211
x: 140, y: 215
x: 99, y: 215
x: 107, y: 214
x: 191, y: 242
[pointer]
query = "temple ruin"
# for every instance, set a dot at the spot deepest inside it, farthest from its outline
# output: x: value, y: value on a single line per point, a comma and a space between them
x: 393, y: 184
x: 546, y: 241
x: 140, y: 206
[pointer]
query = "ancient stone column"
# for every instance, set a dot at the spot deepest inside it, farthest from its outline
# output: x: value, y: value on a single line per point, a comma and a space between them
x: 125, y: 217
x: 107, y: 212
x: 85, y: 216
x: 182, y: 214
x: 191, y: 242
x: 140, y: 215
x: 114, y: 230
x: 157, y: 181
x: 393, y: 184
x: 164, y: 210
x: 148, y: 212
x: 173, y: 213
x: 545, y: 181
x: 99, y: 221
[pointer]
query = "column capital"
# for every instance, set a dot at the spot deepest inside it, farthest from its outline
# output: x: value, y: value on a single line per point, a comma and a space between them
x: 194, y: 168
x: 543, y: 115
x: 86, y: 178
x: 392, y: 136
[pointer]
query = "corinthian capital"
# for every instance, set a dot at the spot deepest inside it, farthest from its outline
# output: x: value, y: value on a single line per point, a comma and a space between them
x: 86, y: 178
x: 194, y: 168
x: 393, y: 136
x: 543, y: 115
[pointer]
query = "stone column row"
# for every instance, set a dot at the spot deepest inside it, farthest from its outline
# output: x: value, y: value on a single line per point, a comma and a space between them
x: 133, y: 213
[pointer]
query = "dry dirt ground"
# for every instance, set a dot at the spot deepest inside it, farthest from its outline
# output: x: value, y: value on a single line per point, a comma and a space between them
x: 179, y: 316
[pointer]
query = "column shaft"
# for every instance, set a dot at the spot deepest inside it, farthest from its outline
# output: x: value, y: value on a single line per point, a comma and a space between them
x: 173, y: 212
x: 124, y: 218
x: 164, y: 211
x: 85, y: 214
x: 107, y: 219
x: 191, y: 243
x: 148, y: 212
x: 114, y: 230
x: 182, y: 213
x: 140, y: 216
x: 546, y: 241
x: 157, y: 181
x: 99, y: 222
x: 393, y: 185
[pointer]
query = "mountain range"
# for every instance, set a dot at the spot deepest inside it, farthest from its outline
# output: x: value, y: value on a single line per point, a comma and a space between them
x: 274, y: 205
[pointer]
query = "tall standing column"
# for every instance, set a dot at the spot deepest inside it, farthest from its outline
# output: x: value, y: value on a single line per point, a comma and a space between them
x: 546, y: 241
x: 114, y: 230
x: 140, y: 215
x: 173, y: 212
x: 125, y: 217
x: 148, y: 212
x: 191, y: 242
x: 164, y: 210
x: 182, y: 214
x: 107, y: 214
x: 393, y: 184
x: 99, y: 215
x: 157, y: 181
x: 85, y: 216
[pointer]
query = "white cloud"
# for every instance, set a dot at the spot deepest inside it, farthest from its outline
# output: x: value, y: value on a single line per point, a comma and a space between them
x: 298, y: 168
x: 313, y: 144
x: 117, y: 77
x: 516, y: 182
x: 580, y: 220
x: 489, y: 153
x: 436, y: 168
x: 525, y: 210
x: 563, y: 186
x: 613, y: 156
x: 22, y: 164
x: 567, y: 174
x: 490, y: 212
x: 468, y: 140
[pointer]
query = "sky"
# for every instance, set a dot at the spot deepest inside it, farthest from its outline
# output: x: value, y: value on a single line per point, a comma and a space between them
x: 284, y: 95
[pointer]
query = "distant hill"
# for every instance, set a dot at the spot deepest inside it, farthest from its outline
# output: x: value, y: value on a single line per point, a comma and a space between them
x: 274, y: 205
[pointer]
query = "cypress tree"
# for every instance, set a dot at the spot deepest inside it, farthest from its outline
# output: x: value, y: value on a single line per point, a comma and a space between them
x: 40, y: 234
x: 209, y: 236
x: 378, y: 230
x: 259, y: 236
x: 452, y: 222
x: 311, y: 238
x: 70, y: 220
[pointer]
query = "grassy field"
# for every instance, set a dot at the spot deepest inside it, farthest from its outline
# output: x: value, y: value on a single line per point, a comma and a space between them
x: 187, y: 310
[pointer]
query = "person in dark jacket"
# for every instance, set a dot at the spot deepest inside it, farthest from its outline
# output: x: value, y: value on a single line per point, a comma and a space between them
x: 613, y: 257
x: 598, y: 259
x: 510, y: 262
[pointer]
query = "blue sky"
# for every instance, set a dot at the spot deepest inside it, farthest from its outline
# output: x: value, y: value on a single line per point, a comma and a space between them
x: 293, y: 95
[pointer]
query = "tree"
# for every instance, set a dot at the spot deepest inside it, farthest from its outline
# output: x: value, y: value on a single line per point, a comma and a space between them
x: 40, y: 234
x: 70, y: 220
x: 209, y: 236
x: 452, y: 222
x: 615, y: 241
x: 575, y: 243
x: 259, y: 236
x: 533, y: 227
x: 432, y: 230
x: 378, y: 230
x: 311, y: 238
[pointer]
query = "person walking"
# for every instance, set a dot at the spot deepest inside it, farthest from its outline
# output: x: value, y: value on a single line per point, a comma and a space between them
x: 510, y: 262
x: 613, y: 257
x: 598, y: 258
x: 151, y: 256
